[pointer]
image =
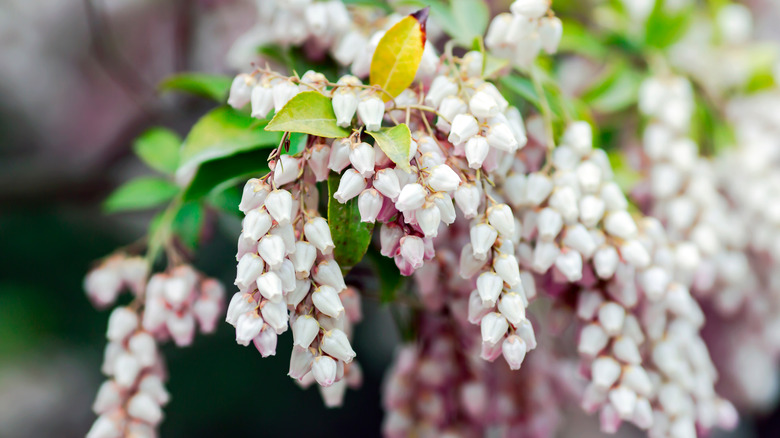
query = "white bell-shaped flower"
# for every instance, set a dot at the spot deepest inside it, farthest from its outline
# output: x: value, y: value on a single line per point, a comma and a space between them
x: 317, y: 232
x: 327, y: 301
x: 304, y: 329
x: 279, y: 205
x: 371, y: 109
x: 271, y: 249
x: 363, y: 159
x: 369, y: 205
x: 351, y: 185
x: 336, y: 344
x: 493, y: 327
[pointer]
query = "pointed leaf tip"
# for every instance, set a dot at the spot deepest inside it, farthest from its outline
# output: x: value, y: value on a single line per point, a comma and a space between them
x: 422, y: 16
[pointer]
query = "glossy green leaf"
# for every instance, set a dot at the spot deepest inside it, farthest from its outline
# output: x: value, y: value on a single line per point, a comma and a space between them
x: 309, y: 112
x: 188, y: 223
x: 578, y: 39
x: 664, y: 28
x: 219, y: 171
x: 398, y: 54
x: 140, y: 193
x: 159, y: 148
x: 214, y: 87
x: 471, y: 17
x: 350, y: 236
x: 390, y: 278
x: 396, y: 143
x: 616, y: 90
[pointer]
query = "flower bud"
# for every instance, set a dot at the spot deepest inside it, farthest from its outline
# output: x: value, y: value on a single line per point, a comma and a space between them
x: 286, y: 169
x: 464, y: 126
x: 500, y: 137
x: 411, y: 197
x: 207, y: 311
x: 271, y: 249
x: 126, y: 369
x: 441, y: 87
x: 143, y: 346
x: 514, y: 350
x: 483, y: 105
x: 428, y: 218
x: 369, y: 205
x: 386, y: 182
x: 300, y: 362
x: 512, y: 307
x: 254, y: 194
x: 544, y: 256
x: 442, y: 178
x: 351, y: 185
x: 299, y: 293
x: 262, y: 101
x: 443, y: 202
x: 483, y: 236
x: 530, y: 8
x: 371, y: 109
x: 467, y: 197
x: 489, y: 286
x: 604, y: 372
x: 265, y: 342
x: 181, y: 328
x: 339, y: 154
x: 507, y: 268
x: 493, y: 327
x: 241, y: 90
x: 450, y: 107
x: 336, y: 344
x: 324, y: 370
x: 412, y: 251
x: 270, y: 286
x: 389, y: 239
x: 109, y: 397
x: 476, y: 151
x: 611, y: 316
x: 538, y: 187
x: 550, y: 32
x: 318, y: 161
x: 605, y: 262
x: 239, y: 304
x: 275, y: 315
x: 287, y: 233
x: 501, y: 218
x: 317, y: 232
x: 249, y: 268
x: 282, y: 93
x: 578, y: 238
x: 327, y: 301
x: 345, y: 103
x: 143, y: 407
x: 569, y: 264
x: 328, y: 272
x: 121, y: 324
x: 469, y: 266
x: 279, y: 206
x: 248, y: 326
x: 303, y: 258
x: 363, y: 159
x: 624, y: 402
x: 305, y: 329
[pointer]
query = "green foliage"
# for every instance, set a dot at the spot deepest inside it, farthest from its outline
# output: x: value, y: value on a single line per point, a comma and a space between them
x: 350, y: 235
x: 472, y: 18
x: 159, y: 148
x: 396, y: 143
x: 227, y: 169
x: 390, y: 278
x: 213, y: 87
x: 616, y: 90
x: 578, y: 39
x: 309, y: 112
x: 188, y: 223
x: 140, y: 193
x: 663, y: 28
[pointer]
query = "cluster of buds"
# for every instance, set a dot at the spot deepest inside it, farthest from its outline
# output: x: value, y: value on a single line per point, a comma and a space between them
x: 130, y: 402
x: 520, y: 35
x: 287, y: 277
x: 114, y: 275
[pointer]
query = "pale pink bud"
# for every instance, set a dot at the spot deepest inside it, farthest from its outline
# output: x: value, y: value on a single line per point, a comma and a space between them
x: 489, y: 286
x: 351, y: 300
x: 514, y: 350
x: 262, y: 99
x: 605, y: 262
x: 467, y: 197
x: 181, y: 328
x: 286, y: 169
x: 501, y: 137
x: 351, y: 185
x: 275, y: 315
x: 444, y: 203
x: 339, y: 154
x: 501, y: 218
x: 303, y: 258
x: 270, y: 286
x: 295, y: 297
x: 248, y: 326
x: 144, y: 348
x: 464, y: 126
x: 530, y: 8
x: 469, y: 265
x: 411, y: 197
x: 249, y: 268
x: 336, y: 344
x: 279, y: 205
x: 550, y: 32
x: 611, y: 316
x: 317, y: 232
x: 282, y: 93
x: 126, y: 369
x: 483, y: 105
x: 300, y: 362
x: 345, y: 103
x: 604, y: 372
x: 538, y: 187
x: 207, y: 312
x: 254, y: 194
x: 635, y: 254
x: 389, y: 238
x: 327, y: 301
x: 624, y: 402
x: 442, y: 178
x: 318, y: 161
x: 477, y: 149
x: 512, y: 307
x: 239, y: 304
x: 265, y: 342
x: 329, y: 272
x: 121, y: 324
x: 569, y: 263
x: 593, y: 339
x: 490, y: 352
x: 429, y: 218
x: 371, y: 109
x: 412, y: 250
x: 305, y: 329
x: 526, y: 331
x: 324, y: 370
x: 271, y: 249
x: 450, y: 107
x: 333, y: 395
x: 363, y: 159
x: 483, y: 236
x: 493, y: 327
x: 103, y: 285
x: 441, y: 87
x: 620, y: 224
x: 369, y: 205
x: 241, y: 90
x: 109, y: 396
x: 476, y: 308
x: 386, y: 182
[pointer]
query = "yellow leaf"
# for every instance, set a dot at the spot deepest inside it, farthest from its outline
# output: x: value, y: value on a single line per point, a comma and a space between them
x: 398, y: 55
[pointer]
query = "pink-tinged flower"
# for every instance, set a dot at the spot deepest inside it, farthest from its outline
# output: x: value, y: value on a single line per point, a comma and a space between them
x: 369, y: 204
x: 287, y: 275
x: 428, y: 218
x: 493, y: 327
x: 345, y: 103
x: 262, y: 100
x: 143, y: 346
x: 241, y: 90
x: 295, y: 297
x: 389, y: 239
x: 109, y: 397
x: 363, y: 159
x: 305, y: 329
x: 489, y: 286
x: 265, y: 342
x: 286, y: 169
x: 324, y: 370
x: 303, y: 258
x: 103, y: 285
x: 514, y: 350
x: 300, y: 362
x: 339, y: 154
x: 411, y: 197
x: 336, y: 344
x: 249, y: 268
x: 126, y: 369
x: 275, y: 315
x: 247, y: 327
x: 489, y: 351
x: 477, y: 308
x: 207, y: 312
x: 283, y: 91
x: 593, y: 339
x: 512, y: 307
x: 464, y: 126
x: 569, y: 263
x: 444, y: 203
x: 604, y: 372
x: 318, y: 161
x: 270, y: 286
x: 333, y: 395
x: 351, y: 185
x: 507, y: 267
x: 469, y: 265
x: 501, y: 218
x: 328, y: 272
x: 317, y: 232
x: 477, y: 149
x: 441, y: 87
x: 371, y: 109
x: 181, y: 328
x: 254, y: 194
x: 327, y: 301
x: 121, y: 324
x: 239, y: 304
x: 279, y: 205
x: 386, y: 182
x: 271, y: 249
x: 483, y: 236
x: 412, y: 250
x: 467, y: 197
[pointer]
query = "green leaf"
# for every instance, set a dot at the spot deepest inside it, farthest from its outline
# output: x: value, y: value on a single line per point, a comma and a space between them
x: 350, y: 236
x: 398, y: 55
x: 309, y: 112
x: 390, y: 278
x: 493, y: 65
x: 616, y: 90
x: 231, y: 169
x: 214, y: 87
x: 159, y: 148
x: 140, y: 193
x: 188, y: 223
x: 523, y: 87
x: 578, y: 39
x: 664, y: 29
x: 471, y: 17
x: 396, y: 143
x: 441, y: 14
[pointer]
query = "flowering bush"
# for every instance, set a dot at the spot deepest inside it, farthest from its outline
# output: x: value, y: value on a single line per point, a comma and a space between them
x: 573, y: 199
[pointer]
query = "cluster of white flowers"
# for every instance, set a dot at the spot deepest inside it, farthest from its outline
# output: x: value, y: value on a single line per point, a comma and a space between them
x: 520, y: 35
x: 285, y: 264
x: 167, y: 306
